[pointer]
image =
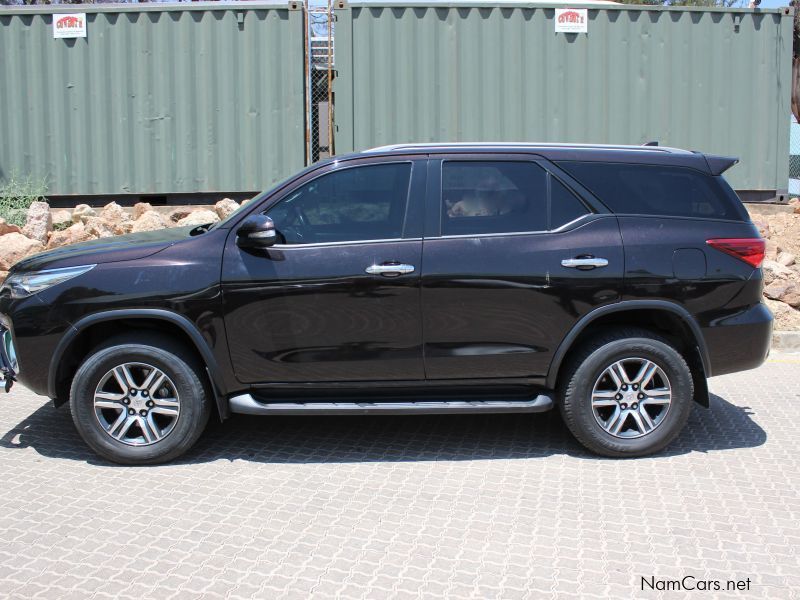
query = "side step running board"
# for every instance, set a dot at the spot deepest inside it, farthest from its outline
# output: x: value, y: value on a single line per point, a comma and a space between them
x: 246, y: 404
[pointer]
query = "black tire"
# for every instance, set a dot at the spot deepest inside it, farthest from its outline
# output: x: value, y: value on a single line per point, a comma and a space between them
x: 589, y: 364
x: 180, y: 366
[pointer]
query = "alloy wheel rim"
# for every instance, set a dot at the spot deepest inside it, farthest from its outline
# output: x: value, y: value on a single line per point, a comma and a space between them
x: 136, y: 404
x: 631, y: 398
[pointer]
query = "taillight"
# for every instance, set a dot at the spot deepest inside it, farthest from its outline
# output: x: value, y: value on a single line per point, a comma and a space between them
x: 750, y: 250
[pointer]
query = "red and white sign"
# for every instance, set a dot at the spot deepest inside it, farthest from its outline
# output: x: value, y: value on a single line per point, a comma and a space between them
x: 572, y: 20
x: 71, y: 25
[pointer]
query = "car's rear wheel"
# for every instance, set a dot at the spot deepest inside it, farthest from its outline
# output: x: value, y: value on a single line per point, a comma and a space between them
x: 140, y: 400
x: 627, y: 392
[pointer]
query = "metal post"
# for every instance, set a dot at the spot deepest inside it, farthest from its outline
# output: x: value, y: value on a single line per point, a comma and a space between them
x: 307, y: 77
x: 330, y: 78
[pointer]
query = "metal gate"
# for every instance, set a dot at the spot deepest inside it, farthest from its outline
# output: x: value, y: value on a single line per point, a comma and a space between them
x: 319, y: 72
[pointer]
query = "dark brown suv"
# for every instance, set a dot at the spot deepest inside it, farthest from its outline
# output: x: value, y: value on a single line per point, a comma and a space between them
x: 610, y: 281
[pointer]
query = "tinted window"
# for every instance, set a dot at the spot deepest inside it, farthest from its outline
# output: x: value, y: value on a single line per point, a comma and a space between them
x: 564, y: 205
x: 656, y: 190
x: 354, y: 204
x: 493, y: 197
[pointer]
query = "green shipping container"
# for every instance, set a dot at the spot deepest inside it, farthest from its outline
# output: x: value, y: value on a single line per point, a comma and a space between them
x: 706, y: 79
x: 161, y: 99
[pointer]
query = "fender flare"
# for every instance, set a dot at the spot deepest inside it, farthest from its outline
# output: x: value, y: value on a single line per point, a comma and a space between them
x: 701, y: 361
x: 199, y: 343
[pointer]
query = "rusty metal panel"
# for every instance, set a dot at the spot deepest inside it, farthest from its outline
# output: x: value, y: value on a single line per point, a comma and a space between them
x: 707, y: 79
x: 158, y: 99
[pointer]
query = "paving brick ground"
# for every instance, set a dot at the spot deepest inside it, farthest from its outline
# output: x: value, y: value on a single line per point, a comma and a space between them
x: 414, y: 507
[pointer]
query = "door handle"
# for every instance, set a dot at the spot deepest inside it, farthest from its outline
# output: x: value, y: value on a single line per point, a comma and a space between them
x: 390, y: 269
x: 584, y: 262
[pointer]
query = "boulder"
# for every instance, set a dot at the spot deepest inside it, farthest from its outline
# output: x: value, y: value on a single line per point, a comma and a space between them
x: 225, y: 207
x: 116, y: 218
x: 8, y: 228
x: 786, y: 317
x: 198, y: 217
x: 14, y: 247
x: 97, y: 227
x: 140, y: 208
x: 771, y: 250
x: 776, y: 289
x: 785, y: 291
x: 3, y: 275
x: 149, y: 221
x: 774, y: 270
x: 82, y: 212
x: 73, y: 234
x: 61, y: 219
x: 39, y: 222
x: 763, y: 228
x: 176, y: 214
x: 792, y: 298
x: 787, y: 259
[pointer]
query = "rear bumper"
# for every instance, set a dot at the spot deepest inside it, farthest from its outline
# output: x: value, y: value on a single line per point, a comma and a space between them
x: 739, y: 341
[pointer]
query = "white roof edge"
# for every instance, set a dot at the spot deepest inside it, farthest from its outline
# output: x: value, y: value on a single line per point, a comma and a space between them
x: 526, y: 145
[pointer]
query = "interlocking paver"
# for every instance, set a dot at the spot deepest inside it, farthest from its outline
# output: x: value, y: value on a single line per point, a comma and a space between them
x: 497, y: 506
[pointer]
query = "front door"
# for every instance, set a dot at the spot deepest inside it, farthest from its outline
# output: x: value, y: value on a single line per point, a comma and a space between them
x: 338, y: 298
x: 498, y: 291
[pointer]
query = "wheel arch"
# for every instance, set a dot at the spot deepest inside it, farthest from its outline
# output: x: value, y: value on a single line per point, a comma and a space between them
x: 667, y: 318
x: 75, y: 345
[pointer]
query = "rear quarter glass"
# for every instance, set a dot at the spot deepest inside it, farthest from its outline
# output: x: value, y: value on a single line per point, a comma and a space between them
x: 663, y: 190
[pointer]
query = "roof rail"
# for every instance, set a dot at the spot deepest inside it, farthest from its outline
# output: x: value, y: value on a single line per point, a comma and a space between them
x: 650, y: 146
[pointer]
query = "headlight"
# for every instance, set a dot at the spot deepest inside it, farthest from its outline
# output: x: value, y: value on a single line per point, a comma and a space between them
x: 22, y: 285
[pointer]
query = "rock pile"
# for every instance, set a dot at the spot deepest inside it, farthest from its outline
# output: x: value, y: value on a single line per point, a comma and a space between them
x: 782, y: 262
x: 46, y: 229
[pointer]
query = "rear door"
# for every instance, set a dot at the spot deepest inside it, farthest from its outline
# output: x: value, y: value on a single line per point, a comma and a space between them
x: 507, y: 260
x: 667, y: 214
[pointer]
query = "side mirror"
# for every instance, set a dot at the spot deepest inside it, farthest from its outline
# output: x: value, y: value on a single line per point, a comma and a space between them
x: 257, y: 231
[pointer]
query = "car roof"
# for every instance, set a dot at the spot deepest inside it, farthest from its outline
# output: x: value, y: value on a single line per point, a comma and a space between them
x: 651, y: 154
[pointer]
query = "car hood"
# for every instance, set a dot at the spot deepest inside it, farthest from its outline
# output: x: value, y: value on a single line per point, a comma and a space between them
x: 105, y: 250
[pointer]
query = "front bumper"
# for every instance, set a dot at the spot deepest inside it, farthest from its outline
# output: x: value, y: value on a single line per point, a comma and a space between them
x: 8, y: 360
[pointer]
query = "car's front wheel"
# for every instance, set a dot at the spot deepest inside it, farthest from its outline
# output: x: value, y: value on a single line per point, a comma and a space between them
x: 140, y: 400
x: 627, y: 393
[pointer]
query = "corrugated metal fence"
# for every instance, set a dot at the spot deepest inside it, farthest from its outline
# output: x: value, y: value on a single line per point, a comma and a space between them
x: 706, y: 79
x: 209, y: 97
x: 156, y: 99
